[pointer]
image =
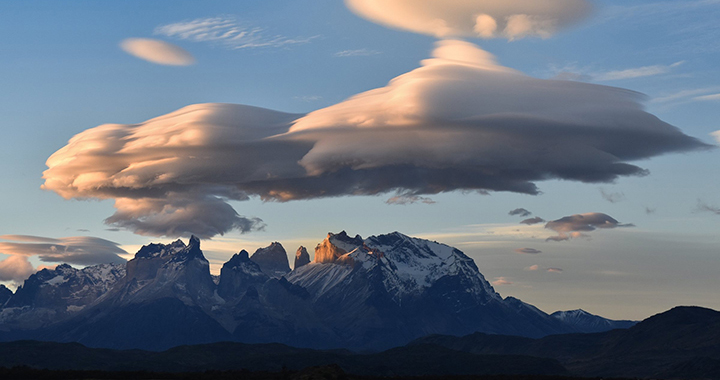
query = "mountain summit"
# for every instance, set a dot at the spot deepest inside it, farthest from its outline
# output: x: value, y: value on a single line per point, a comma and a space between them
x: 356, y: 293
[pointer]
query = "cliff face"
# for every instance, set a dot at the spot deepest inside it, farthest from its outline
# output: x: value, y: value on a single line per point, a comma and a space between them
x: 302, y: 257
x: 272, y: 260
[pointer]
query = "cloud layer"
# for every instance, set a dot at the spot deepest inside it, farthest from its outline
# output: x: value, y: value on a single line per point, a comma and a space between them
x: 81, y: 250
x: 510, y: 19
x: 156, y: 51
x: 459, y: 122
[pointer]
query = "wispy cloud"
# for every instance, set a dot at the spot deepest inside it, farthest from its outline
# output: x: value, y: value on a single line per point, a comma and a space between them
x: 357, y: 53
x: 638, y: 72
x: 533, y: 268
x: 713, y: 97
x: 555, y: 270
x: 612, y: 197
x: 308, y: 98
x: 586, y: 74
x: 704, y: 207
x: 228, y: 32
x: 405, y: 199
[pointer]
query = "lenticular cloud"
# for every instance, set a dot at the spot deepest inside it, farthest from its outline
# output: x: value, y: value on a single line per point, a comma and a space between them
x: 511, y: 19
x: 459, y: 122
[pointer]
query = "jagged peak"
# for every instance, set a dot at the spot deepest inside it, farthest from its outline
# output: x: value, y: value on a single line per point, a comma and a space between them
x: 153, y: 250
x: 302, y: 257
x: 194, y: 241
x: 238, y: 258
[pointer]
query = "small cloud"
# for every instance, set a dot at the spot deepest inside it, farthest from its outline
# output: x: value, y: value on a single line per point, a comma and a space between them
x: 356, y: 53
x: 572, y: 227
x: 528, y: 251
x: 520, y: 212
x: 228, y: 32
x: 704, y: 207
x: 649, y: 210
x: 555, y: 270
x: 500, y: 281
x: 533, y: 268
x: 156, y: 51
x: 82, y: 230
x: 612, y: 197
x: 532, y: 221
x: 404, y: 199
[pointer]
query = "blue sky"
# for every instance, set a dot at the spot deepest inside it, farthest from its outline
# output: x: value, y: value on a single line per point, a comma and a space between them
x: 64, y: 72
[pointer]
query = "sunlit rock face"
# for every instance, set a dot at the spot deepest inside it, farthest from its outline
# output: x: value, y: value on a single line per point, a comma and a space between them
x: 272, y: 260
x: 302, y: 257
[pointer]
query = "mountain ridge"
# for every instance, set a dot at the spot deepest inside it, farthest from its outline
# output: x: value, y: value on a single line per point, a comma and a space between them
x: 368, y: 294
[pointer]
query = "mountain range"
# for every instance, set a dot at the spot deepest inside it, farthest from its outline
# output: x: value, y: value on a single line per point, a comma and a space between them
x: 683, y: 343
x: 361, y: 294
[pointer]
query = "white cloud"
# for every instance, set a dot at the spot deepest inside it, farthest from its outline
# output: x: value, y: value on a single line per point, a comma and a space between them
x: 356, y: 53
x: 510, y: 19
x: 461, y: 122
x: 228, y: 32
x: 156, y: 51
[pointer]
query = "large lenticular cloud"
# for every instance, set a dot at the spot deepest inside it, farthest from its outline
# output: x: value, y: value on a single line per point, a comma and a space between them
x: 459, y: 122
x: 510, y: 19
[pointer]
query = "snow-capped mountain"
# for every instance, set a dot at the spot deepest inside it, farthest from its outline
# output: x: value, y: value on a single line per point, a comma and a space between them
x: 583, y: 321
x: 53, y: 294
x: 357, y: 293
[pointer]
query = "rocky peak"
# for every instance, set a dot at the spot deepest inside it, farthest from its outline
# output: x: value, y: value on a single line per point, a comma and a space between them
x: 272, y: 260
x: 238, y: 274
x: 336, y: 245
x: 302, y: 257
x: 160, y: 250
x: 191, y: 251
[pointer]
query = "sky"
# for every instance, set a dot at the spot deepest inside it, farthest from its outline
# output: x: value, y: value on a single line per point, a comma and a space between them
x: 567, y: 146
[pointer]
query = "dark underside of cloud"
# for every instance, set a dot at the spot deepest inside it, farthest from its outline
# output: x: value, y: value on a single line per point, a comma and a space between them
x: 459, y: 122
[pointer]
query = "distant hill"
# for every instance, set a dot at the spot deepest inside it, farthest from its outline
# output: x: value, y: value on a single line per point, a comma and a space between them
x: 681, y: 343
